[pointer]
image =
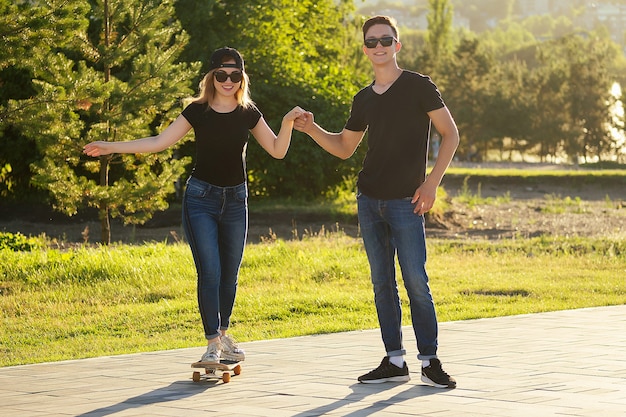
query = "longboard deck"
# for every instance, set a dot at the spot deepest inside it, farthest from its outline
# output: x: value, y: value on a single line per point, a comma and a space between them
x: 221, y: 365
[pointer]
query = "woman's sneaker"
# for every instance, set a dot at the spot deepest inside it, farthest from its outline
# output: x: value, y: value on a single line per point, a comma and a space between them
x: 230, y: 350
x: 213, y: 352
x: 386, y: 372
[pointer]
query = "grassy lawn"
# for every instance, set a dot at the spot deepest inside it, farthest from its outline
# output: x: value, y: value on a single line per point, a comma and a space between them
x: 89, y: 302
x: 93, y: 301
x: 515, y: 174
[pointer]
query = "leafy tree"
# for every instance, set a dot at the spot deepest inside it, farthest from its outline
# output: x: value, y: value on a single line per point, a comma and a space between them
x: 547, y: 26
x: 466, y: 79
x: 509, y: 109
x: 589, y: 92
x: 577, y: 73
x: 549, y: 109
x: 508, y: 40
x: 439, y: 29
x: 5, y: 181
x: 569, y: 86
x: 414, y: 55
x: 118, y: 81
x: 303, y: 53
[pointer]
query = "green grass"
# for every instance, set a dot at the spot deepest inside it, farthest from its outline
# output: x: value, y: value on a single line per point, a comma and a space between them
x: 575, y: 180
x: 555, y: 204
x: 89, y: 302
x: 590, y: 175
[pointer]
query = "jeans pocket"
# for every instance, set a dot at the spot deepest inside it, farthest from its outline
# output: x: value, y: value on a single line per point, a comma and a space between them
x: 195, y: 190
x: 242, y: 195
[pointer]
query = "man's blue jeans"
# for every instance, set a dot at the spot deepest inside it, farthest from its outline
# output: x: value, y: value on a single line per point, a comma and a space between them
x: 390, y: 228
x: 215, y: 220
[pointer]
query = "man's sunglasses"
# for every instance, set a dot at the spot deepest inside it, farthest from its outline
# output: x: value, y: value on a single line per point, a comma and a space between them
x: 384, y: 41
x: 222, y: 76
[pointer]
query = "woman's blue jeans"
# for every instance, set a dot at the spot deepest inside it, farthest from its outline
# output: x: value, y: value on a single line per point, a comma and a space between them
x: 215, y: 220
x: 390, y: 228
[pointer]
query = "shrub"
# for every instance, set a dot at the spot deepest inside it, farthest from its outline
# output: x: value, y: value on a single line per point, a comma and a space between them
x: 18, y: 242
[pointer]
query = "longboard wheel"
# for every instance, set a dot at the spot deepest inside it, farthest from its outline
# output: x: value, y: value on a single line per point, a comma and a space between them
x: 237, y: 370
x: 196, y: 377
x: 226, y: 377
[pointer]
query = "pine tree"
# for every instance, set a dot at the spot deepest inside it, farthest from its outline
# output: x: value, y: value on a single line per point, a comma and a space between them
x: 30, y: 27
x: 120, y: 80
x: 27, y: 29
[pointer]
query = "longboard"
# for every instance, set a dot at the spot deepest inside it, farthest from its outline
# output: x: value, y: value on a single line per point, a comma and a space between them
x: 212, y: 368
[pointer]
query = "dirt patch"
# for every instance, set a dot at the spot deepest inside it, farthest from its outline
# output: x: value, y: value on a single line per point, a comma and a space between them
x: 500, y: 209
x: 554, y: 207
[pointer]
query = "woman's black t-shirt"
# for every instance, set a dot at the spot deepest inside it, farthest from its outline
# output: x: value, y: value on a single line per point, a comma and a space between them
x: 398, y: 129
x: 221, y: 141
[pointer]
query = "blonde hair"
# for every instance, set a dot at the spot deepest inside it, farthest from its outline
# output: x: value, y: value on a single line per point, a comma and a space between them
x: 207, y: 90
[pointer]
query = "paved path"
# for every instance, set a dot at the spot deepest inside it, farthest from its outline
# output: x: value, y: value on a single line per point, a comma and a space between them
x: 567, y: 363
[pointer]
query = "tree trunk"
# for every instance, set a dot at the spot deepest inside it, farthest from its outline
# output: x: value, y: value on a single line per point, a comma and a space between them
x: 103, y: 214
x: 105, y: 224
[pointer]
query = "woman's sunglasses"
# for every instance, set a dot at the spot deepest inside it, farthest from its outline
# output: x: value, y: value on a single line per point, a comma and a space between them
x: 384, y: 41
x: 222, y: 76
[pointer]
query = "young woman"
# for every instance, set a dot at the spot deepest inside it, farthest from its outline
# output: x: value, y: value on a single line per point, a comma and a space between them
x: 215, y: 208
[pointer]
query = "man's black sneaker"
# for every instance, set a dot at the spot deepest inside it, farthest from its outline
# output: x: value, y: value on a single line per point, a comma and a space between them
x: 435, y: 376
x: 386, y: 372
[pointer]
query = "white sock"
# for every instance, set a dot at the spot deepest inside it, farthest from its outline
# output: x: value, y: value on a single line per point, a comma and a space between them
x: 425, y: 363
x: 397, y: 361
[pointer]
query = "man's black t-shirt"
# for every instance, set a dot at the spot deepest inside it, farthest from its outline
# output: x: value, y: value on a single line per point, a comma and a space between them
x: 398, y: 132
x: 221, y: 140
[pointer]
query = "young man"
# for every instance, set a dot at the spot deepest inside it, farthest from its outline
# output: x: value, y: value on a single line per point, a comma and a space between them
x: 397, y: 110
